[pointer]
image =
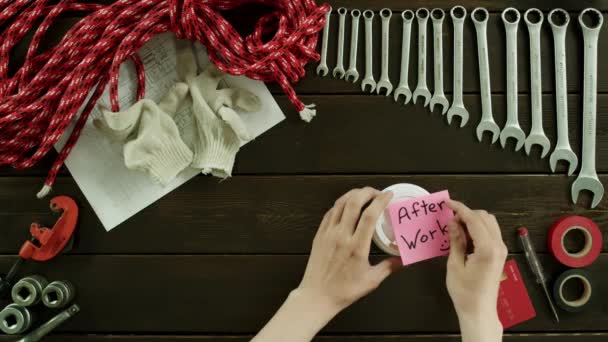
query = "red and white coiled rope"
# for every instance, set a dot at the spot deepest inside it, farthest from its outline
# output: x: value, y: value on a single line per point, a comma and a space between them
x: 43, y: 96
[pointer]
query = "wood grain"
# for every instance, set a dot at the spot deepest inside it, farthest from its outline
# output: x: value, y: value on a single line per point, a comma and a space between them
x: 270, y: 215
x: 373, y: 134
x: 238, y: 294
x: 575, y: 337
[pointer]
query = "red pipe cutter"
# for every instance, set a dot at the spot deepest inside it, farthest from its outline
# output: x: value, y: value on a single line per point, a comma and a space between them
x: 46, y: 243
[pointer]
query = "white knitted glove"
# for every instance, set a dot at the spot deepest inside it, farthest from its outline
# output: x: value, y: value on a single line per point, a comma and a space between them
x: 220, y: 130
x: 154, y: 144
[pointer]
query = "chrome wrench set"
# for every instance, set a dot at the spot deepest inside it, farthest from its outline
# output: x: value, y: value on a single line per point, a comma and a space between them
x: 533, y: 18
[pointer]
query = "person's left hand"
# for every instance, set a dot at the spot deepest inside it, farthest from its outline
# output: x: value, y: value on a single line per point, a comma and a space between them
x: 338, y: 271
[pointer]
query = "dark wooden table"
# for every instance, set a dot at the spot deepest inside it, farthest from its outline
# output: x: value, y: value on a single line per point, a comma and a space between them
x: 213, y: 261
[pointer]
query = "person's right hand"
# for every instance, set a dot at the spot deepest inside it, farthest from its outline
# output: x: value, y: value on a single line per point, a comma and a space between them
x: 473, y: 280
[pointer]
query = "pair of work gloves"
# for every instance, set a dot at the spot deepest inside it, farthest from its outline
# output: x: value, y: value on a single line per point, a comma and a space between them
x: 152, y: 140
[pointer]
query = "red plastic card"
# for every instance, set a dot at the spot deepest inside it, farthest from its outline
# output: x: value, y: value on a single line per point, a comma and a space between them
x: 514, y: 304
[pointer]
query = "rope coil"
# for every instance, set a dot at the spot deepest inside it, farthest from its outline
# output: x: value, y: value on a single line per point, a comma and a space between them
x: 46, y: 93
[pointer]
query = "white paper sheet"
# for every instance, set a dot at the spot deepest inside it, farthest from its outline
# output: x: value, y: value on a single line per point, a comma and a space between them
x: 97, y: 164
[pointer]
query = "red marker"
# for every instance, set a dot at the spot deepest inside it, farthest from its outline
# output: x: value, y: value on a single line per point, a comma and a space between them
x: 535, y: 266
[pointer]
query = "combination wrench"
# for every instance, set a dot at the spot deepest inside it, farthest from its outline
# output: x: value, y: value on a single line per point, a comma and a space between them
x: 559, y: 20
x: 437, y: 16
x: 422, y: 16
x: 403, y: 88
x: 587, y: 178
x: 385, y: 82
x: 352, y: 73
x: 458, y: 14
x: 534, y: 20
x: 368, y: 80
x: 480, y: 18
x: 322, y: 69
x: 339, y: 69
x: 510, y: 18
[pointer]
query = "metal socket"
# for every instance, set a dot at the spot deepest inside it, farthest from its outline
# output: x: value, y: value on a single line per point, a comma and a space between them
x: 58, y: 294
x: 28, y: 290
x: 15, y: 319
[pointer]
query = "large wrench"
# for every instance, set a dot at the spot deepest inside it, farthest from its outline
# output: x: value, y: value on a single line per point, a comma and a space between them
x: 437, y: 16
x: 368, y: 80
x: 352, y: 72
x: 487, y: 124
x: 422, y: 16
x: 510, y: 18
x: 458, y: 13
x: 322, y: 69
x: 339, y: 69
x: 559, y: 19
x: 587, y: 178
x: 403, y: 88
x: 385, y: 82
x: 534, y: 20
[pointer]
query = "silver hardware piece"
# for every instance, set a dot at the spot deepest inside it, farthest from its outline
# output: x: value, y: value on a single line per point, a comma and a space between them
x: 587, y: 178
x: 385, y: 82
x: 58, y: 294
x: 422, y: 16
x: 403, y: 88
x: 534, y: 21
x: 322, y: 69
x: 15, y: 319
x: 458, y: 14
x: 352, y: 74
x: 51, y: 324
x: 368, y: 80
x: 559, y: 20
x: 339, y: 69
x: 510, y: 18
x: 28, y: 290
x: 437, y: 16
x: 480, y: 18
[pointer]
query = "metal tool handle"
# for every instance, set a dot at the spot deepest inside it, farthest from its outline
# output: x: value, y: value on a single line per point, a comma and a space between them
x: 561, y: 93
x: 590, y: 37
x: 51, y: 324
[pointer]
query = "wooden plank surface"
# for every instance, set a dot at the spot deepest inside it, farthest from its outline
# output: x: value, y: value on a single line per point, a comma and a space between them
x: 270, y: 215
x: 568, y: 337
x: 350, y: 131
x: 238, y: 294
x: 496, y: 52
x: 212, y: 261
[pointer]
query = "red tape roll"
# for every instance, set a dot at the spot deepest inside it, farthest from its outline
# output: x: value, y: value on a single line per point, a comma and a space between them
x: 593, y: 241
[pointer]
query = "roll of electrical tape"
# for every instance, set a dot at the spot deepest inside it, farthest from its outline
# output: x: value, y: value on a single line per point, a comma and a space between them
x: 584, y: 299
x: 384, y: 237
x: 593, y: 241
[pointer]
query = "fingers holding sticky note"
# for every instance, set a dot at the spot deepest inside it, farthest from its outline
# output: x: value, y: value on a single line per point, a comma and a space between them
x: 420, y: 226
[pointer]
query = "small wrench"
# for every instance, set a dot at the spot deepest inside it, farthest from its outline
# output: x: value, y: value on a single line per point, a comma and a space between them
x: 385, y: 82
x: 559, y: 19
x: 510, y: 18
x: 339, y: 69
x: 352, y: 72
x: 458, y: 13
x: 368, y: 80
x: 422, y: 15
x: 322, y: 69
x: 534, y: 20
x: 587, y: 178
x: 437, y: 16
x: 487, y: 124
x: 403, y: 88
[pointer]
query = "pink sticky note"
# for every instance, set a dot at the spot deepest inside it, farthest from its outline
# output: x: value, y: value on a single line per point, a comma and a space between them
x: 420, y: 226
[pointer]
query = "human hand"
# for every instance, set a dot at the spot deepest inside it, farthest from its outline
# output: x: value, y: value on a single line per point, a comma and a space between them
x: 473, y: 280
x: 338, y: 271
